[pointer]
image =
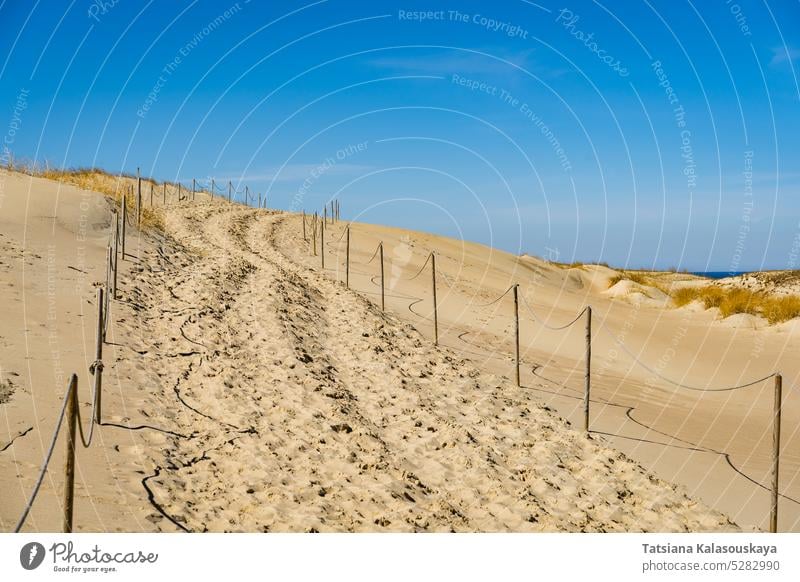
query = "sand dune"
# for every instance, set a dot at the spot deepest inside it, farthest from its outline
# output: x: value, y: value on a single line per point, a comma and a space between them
x: 249, y: 390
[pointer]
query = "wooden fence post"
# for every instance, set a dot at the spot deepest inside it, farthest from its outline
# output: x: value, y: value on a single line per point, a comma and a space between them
x: 246, y: 195
x: 97, y: 367
x: 108, y: 278
x: 194, y: 187
x: 314, y: 234
x: 124, y: 221
x: 230, y: 191
x: 325, y: 214
x: 138, y: 198
x: 347, y: 260
x: 164, y: 202
x: 588, y: 379
x: 212, y: 188
x: 304, y: 226
x: 322, y: 245
x: 435, y: 314
x: 776, y: 451
x: 516, y: 330
x: 116, y: 252
x: 383, y: 292
x: 69, y: 463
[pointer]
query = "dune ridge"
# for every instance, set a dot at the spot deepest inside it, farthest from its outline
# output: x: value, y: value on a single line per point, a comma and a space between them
x: 253, y: 393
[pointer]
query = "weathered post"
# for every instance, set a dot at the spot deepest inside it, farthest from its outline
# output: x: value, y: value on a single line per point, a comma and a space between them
x: 314, y: 234
x: 164, y: 202
x: 304, y: 226
x: 69, y: 463
x: 152, y: 186
x: 435, y: 314
x: 108, y: 276
x: 516, y: 330
x: 383, y: 292
x: 247, y: 195
x: 212, y: 188
x: 230, y: 191
x: 776, y: 451
x: 322, y: 245
x: 194, y: 188
x: 588, y: 378
x: 325, y: 214
x: 259, y: 199
x: 116, y: 252
x: 124, y: 221
x: 97, y: 366
x: 347, y: 260
x: 180, y: 192
x: 138, y: 198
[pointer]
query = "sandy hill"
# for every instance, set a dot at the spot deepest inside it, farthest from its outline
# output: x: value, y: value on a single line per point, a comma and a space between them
x: 248, y: 390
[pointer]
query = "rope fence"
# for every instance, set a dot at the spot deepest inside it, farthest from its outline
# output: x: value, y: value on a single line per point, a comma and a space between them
x: 70, y: 411
x: 586, y: 314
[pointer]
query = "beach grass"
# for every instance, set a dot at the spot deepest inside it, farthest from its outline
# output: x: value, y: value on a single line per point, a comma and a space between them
x: 731, y: 301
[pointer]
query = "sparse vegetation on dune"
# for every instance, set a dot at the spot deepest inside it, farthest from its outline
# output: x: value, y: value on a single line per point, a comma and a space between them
x: 638, y: 278
x: 733, y: 300
x: 97, y: 180
x: 580, y: 264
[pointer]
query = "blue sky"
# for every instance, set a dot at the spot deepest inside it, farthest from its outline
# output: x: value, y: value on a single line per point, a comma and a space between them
x: 653, y: 133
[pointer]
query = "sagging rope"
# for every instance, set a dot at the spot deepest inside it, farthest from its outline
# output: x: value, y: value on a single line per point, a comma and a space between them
x: 380, y: 244
x: 422, y: 268
x: 545, y: 324
x: 95, y: 368
x: 47, y: 457
x: 653, y: 371
x: 482, y: 305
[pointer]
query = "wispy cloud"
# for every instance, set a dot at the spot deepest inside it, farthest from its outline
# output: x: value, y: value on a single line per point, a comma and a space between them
x: 300, y: 172
x: 457, y: 62
x: 784, y: 54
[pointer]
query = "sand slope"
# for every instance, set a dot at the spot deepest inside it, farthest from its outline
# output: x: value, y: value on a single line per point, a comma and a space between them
x: 266, y: 397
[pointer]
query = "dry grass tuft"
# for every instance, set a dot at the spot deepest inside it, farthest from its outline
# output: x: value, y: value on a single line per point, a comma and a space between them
x: 778, y: 309
x: 638, y: 278
x: 112, y: 185
x: 732, y: 300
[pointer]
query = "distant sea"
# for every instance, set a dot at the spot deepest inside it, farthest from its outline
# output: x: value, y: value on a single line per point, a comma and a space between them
x: 719, y: 274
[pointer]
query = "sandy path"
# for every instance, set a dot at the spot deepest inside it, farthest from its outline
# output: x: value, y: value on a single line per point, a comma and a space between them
x: 304, y: 408
x: 716, y: 444
x: 248, y: 391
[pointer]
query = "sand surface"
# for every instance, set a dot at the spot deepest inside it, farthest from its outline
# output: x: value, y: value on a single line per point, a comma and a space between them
x: 248, y: 390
